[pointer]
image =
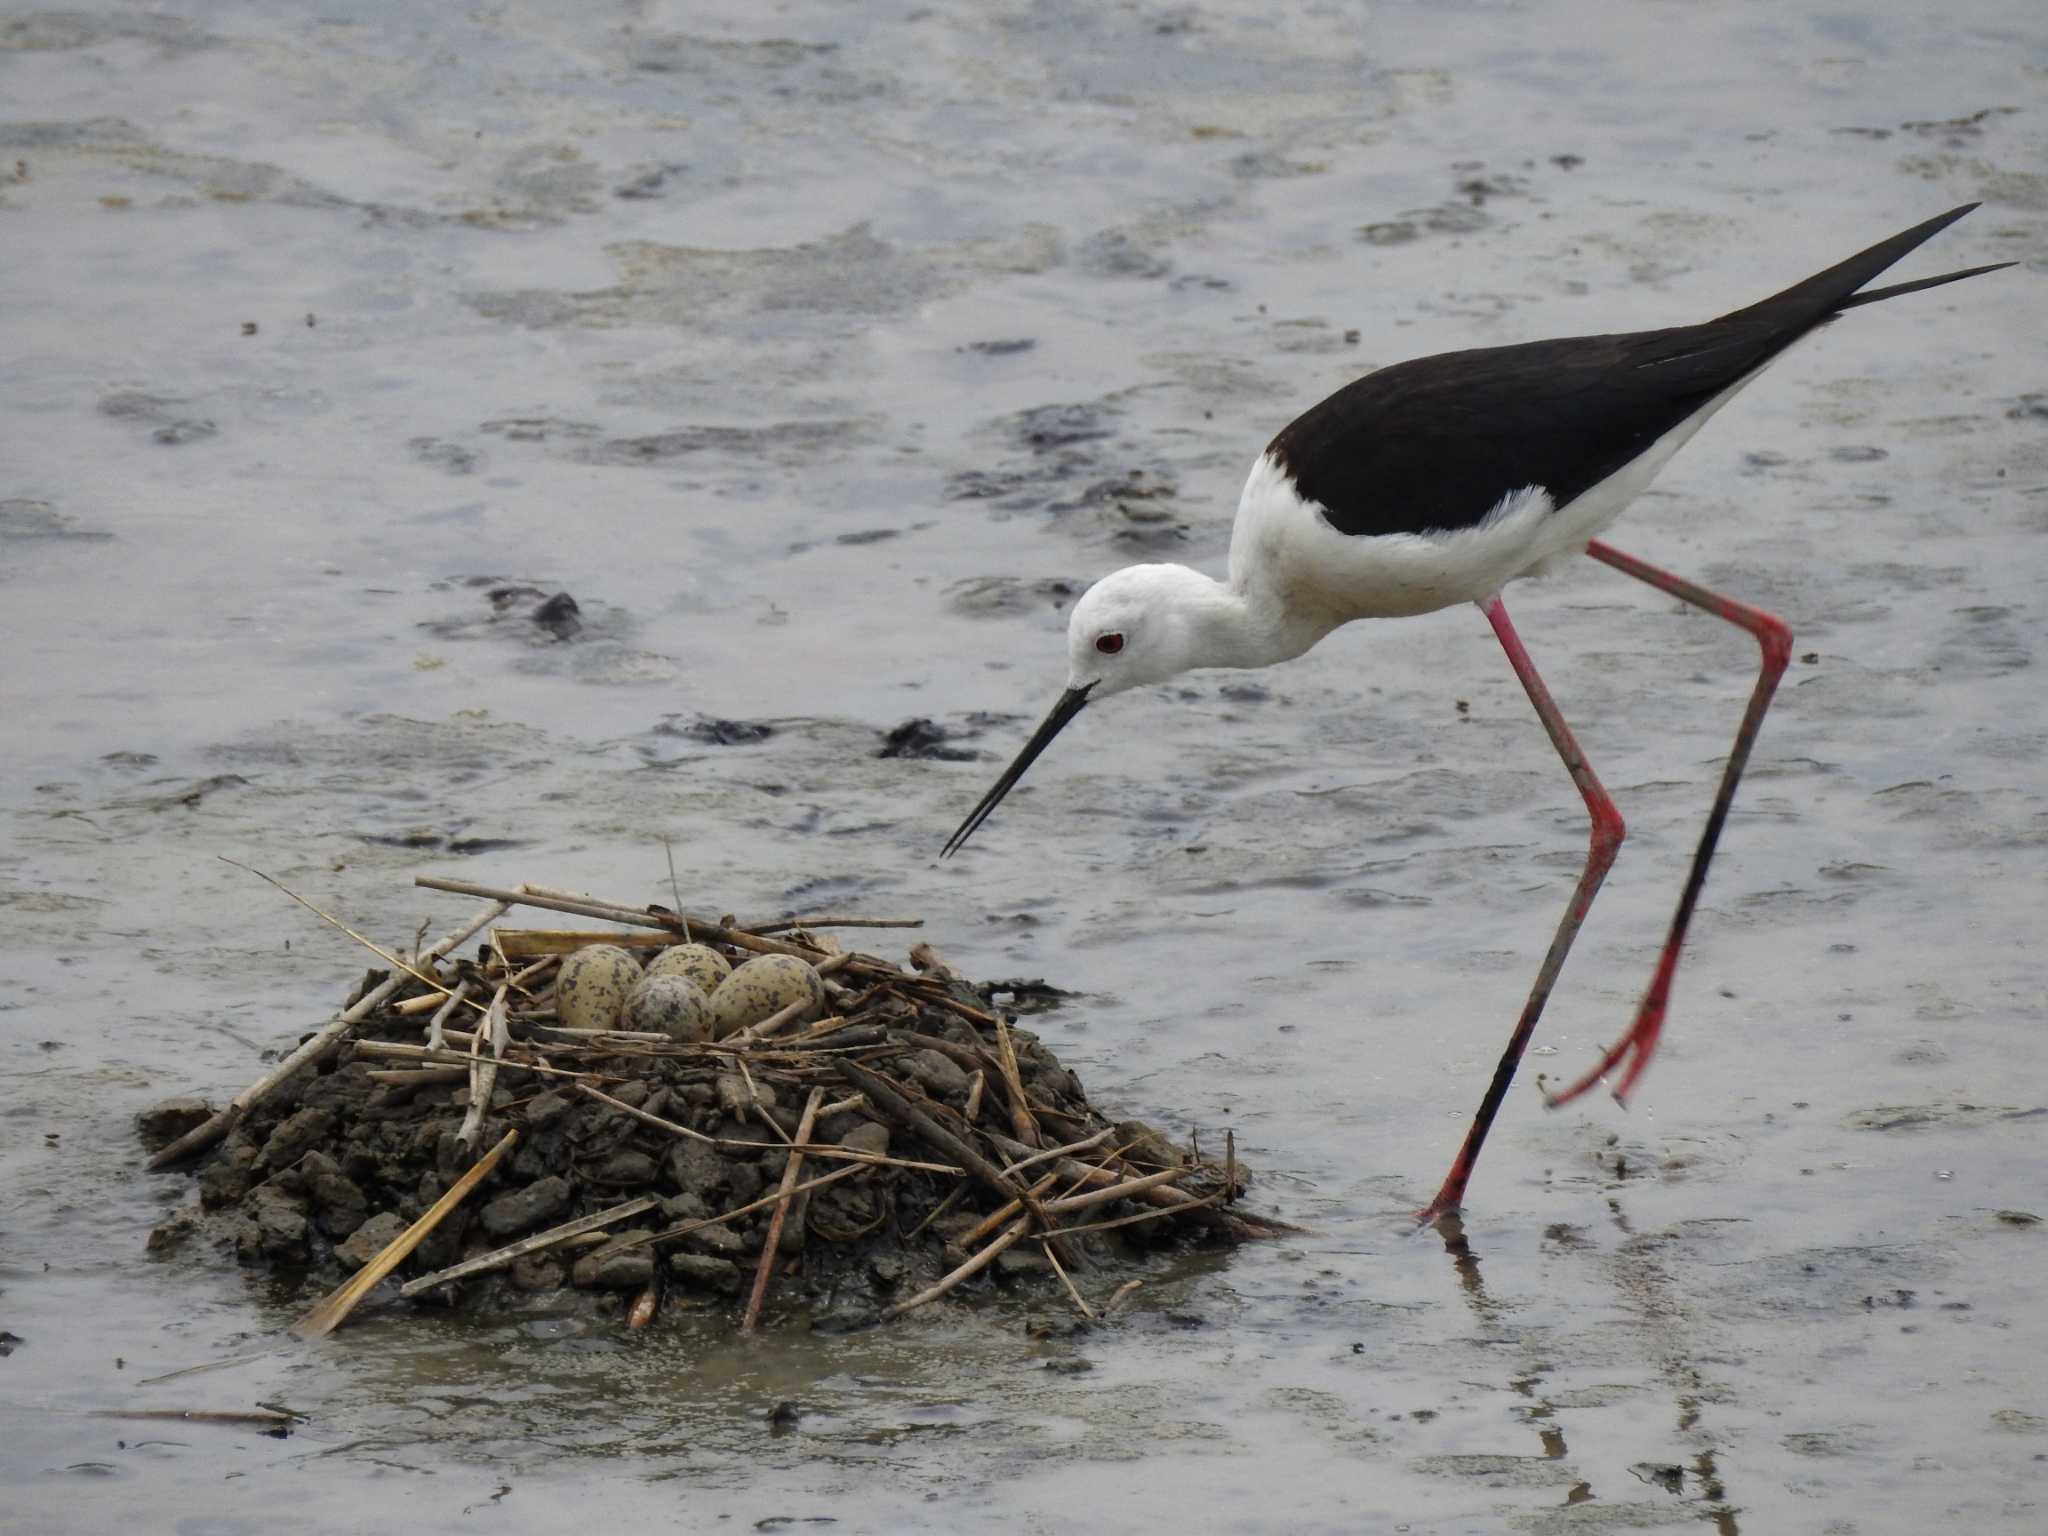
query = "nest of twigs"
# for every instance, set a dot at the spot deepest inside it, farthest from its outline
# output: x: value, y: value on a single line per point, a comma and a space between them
x: 446, y: 1131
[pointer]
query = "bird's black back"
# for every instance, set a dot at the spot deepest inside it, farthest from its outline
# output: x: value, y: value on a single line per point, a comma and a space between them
x: 1437, y: 443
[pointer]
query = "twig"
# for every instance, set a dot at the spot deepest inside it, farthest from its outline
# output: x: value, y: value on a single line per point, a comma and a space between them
x: 437, y: 1026
x: 1119, y: 1296
x: 972, y: 1267
x: 952, y: 1199
x: 395, y: 961
x: 882, y: 1092
x: 754, y: 1102
x: 1122, y: 1191
x: 675, y: 886
x: 1088, y: 1144
x: 837, y: 1154
x: 1021, y: 1119
x: 1057, y: 1268
x: 1001, y: 1214
x: 772, y: 1243
x: 527, y: 973
x: 783, y: 925
x: 767, y: 1026
x: 674, y: 922
x: 744, y: 1210
x: 530, y: 943
x: 498, y: 1258
x: 328, y: 1315
x: 483, y: 1071
x: 1149, y: 1213
x: 399, y: 1052
x: 209, y: 1131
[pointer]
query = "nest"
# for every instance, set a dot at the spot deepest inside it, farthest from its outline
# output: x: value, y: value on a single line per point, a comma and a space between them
x: 444, y: 1129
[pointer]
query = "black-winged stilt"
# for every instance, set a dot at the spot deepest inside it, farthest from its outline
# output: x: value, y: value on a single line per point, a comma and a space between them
x: 1438, y: 481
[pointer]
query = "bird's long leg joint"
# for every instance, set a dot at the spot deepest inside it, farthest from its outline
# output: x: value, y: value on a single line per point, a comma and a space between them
x: 1607, y: 833
x: 1774, y: 637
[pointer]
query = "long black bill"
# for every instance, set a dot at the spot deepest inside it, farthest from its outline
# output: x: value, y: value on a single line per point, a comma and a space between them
x: 1069, y: 706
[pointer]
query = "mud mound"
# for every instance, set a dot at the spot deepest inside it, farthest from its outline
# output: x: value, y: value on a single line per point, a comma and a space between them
x: 807, y: 1129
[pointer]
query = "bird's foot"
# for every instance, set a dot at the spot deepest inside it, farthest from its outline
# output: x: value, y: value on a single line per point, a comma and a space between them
x: 1636, y: 1048
x: 1437, y: 1212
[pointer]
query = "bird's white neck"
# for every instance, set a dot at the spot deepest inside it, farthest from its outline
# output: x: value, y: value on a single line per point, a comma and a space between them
x: 1229, y: 624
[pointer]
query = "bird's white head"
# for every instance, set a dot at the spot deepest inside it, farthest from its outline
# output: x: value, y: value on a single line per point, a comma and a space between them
x: 1142, y: 624
x: 1139, y: 625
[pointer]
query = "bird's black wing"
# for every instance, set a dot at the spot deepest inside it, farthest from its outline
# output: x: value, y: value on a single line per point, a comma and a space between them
x: 1437, y: 443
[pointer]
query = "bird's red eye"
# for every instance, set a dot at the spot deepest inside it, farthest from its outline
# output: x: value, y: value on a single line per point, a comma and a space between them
x: 1110, y: 643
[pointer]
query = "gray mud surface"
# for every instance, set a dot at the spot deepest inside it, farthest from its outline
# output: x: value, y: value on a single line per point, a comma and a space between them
x: 821, y: 355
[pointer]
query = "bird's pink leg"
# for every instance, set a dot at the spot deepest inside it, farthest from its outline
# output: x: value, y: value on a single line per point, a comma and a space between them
x: 1775, y: 637
x: 1607, y: 834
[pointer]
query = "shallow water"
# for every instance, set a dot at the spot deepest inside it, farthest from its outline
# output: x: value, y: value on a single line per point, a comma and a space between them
x: 822, y: 356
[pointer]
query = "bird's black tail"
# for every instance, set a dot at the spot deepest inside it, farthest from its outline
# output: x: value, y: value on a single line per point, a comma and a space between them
x: 1871, y: 296
x: 1827, y: 294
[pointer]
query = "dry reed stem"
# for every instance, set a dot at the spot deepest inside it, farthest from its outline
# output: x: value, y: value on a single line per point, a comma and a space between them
x: 1122, y: 1191
x: 968, y: 1270
x: 1150, y: 1213
x: 329, y: 1314
x: 1021, y: 1119
x: 952, y: 1199
x: 498, y: 1258
x: 754, y: 1102
x: 744, y: 1037
x: 1001, y: 1214
x: 783, y: 925
x: 773, y: 1241
x: 398, y: 1052
x: 1086, y: 1144
x: 530, y: 943
x: 483, y: 1072
x: 674, y: 922
x: 837, y: 1154
x: 887, y: 1095
x: 1119, y: 1296
x: 437, y: 1027
x: 743, y: 1210
x: 396, y: 962
x: 1057, y: 1268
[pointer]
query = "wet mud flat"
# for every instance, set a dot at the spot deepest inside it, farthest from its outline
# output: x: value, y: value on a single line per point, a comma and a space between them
x: 543, y: 1150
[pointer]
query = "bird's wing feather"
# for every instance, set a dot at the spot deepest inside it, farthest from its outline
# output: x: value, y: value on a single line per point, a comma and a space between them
x: 1438, y: 443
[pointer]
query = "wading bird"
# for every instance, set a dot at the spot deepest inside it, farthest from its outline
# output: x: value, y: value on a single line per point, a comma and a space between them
x: 1438, y: 481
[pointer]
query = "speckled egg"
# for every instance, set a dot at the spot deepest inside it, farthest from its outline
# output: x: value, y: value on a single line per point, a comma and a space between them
x: 764, y: 986
x: 700, y: 962
x: 669, y: 1005
x: 590, y: 992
